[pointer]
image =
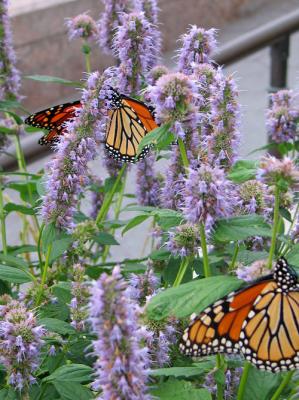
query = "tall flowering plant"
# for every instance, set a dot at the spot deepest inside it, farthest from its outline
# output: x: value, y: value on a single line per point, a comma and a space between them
x: 77, y: 320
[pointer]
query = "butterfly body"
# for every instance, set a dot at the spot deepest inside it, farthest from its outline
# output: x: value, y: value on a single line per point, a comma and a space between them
x: 260, y: 322
x: 129, y: 121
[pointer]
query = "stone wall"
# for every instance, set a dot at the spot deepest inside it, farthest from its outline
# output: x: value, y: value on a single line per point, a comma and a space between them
x: 43, y: 48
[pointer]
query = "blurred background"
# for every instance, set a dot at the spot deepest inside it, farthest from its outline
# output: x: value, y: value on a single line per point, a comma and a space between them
x: 42, y: 47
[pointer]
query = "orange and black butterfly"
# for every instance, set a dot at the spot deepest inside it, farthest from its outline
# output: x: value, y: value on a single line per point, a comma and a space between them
x: 129, y: 121
x: 261, y: 322
x: 53, y: 119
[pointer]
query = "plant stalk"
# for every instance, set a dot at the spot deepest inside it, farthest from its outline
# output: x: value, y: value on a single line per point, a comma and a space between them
x: 219, y: 364
x: 286, y: 380
x: 243, y: 381
x: 275, y: 227
x: 3, y: 225
x: 183, y: 153
x: 182, y: 271
x: 234, y: 259
x: 44, y: 276
x: 108, y: 198
x: 203, y: 240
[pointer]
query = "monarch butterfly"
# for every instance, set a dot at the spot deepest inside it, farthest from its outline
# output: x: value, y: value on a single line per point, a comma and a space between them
x: 129, y: 121
x: 260, y: 322
x: 53, y: 119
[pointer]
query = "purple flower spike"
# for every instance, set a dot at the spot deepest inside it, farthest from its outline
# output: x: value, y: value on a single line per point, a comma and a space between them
x: 148, y: 185
x: 79, y: 301
x: 222, y: 144
x: 184, y: 240
x: 176, y: 100
x: 255, y: 271
x: 82, y: 26
x: 208, y: 196
x: 121, y: 367
x: 67, y: 171
x: 97, y: 196
x: 143, y: 286
x: 282, y: 117
x: 21, y: 342
x: 136, y: 47
x: 198, y: 44
x: 110, y: 20
x: 10, y: 76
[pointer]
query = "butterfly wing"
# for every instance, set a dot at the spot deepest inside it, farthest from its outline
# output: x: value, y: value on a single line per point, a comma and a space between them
x: 128, y: 125
x: 270, y: 333
x: 217, y: 329
x: 53, y: 119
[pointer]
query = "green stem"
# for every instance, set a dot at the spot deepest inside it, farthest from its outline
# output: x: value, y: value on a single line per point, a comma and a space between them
x: 39, y: 251
x: 87, y: 63
x: 182, y: 271
x: 243, y: 381
x: 275, y: 227
x: 285, y: 246
x: 108, y: 199
x: 116, y: 214
x: 206, y: 266
x: 44, y: 276
x: 286, y: 380
x: 219, y: 365
x: 3, y: 226
x: 235, y: 255
x: 183, y: 153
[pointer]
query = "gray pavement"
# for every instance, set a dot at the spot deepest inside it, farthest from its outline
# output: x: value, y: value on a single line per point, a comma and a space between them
x: 252, y: 75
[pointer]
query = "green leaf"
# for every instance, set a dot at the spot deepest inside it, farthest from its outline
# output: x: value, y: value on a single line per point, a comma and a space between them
x: 243, y: 170
x: 48, y: 236
x: 53, y: 79
x: 241, y: 228
x: 12, y: 261
x: 59, y: 247
x: 58, y: 326
x: 72, y: 373
x: 186, y: 372
x: 191, y: 297
x: 62, y: 291
x: 8, y: 394
x: 10, y: 207
x: 293, y: 256
x: 14, y: 275
x: 154, y: 137
x: 161, y: 254
x: 105, y: 238
x: 26, y: 248
x: 247, y: 257
x: 134, y: 222
x: 73, y: 390
x: 175, y: 389
x: 261, y: 385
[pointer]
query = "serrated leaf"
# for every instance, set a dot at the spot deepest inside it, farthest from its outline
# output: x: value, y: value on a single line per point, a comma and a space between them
x: 105, y: 239
x: 175, y: 389
x: 58, y: 326
x: 261, y: 385
x: 135, y: 222
x: 186, y: 372
x: 14, y: 275
x: 59, y: 247
x: 243, y: 170
x: 10, y: 207
x: 73, y: 390
x: 48, y: 236
x: 72, y: 373
x: 153, y: 137
x: 13, y: 261
x: 240, y: 228
x: 53, y: 79
x: 191, y: 297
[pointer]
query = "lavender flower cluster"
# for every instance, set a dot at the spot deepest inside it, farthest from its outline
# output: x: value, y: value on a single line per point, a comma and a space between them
x: 82, y: 26
x: 121, y: 368
x: 67, y: 170
x: 9, y: 75
x: 20, y: 344
x: 80, y: 293
x: 283, y: 116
